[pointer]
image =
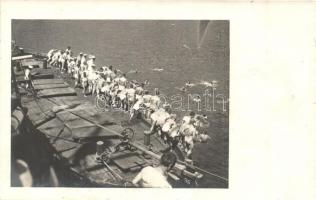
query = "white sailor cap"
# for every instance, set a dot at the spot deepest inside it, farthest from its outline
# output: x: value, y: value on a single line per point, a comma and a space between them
x: 80, y: 53
x: 85, y: 54
x: 30, y: 66
x: 166, y: 105
x: 92, y: 56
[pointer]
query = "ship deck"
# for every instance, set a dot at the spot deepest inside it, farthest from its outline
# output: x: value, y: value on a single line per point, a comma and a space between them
x: 73, y: 124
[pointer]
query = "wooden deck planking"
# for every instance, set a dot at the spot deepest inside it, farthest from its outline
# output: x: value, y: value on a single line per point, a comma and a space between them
x: 63, y: 145
x: 94, y: 131
x: 53, y: 129
x: 50, y: 86
x: 57, y: 92
x: 67, y: 100
x: 38, y: 110
x: 73, y: 121
x: 128, y: 160
x: 42, y: 76
x: 47, y: 81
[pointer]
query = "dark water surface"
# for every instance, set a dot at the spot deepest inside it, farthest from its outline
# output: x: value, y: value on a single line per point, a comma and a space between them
x: 144, y: 45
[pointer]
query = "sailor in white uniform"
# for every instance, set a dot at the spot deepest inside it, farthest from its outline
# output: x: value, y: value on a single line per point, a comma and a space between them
x: 27, y: 76
x: 91, y: 63
x: 156, y: 177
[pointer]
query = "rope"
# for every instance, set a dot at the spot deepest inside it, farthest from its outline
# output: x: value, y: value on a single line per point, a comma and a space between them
x: 116, y: 175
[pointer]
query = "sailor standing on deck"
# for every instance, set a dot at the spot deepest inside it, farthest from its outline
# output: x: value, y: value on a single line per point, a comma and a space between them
x: 156, y: 177
x: 27, y: 76
x: 64, y: 61
x: 83, y: 65
x: 187, y: 119
x: 76, y: 75
x: 55, y: 58
x: 71, y: 65
x: 84, y: 83
x: 68, y: 50
x: 61, y: 60
x: 79, y: 57
x: 91, y: 63
x: 50, y: 54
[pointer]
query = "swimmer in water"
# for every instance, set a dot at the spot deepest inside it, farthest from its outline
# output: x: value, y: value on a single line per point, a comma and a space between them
x: 197, y: 98
x: 182, y: 89
x: 146, y: 82
x: 206, y: 84
x: 133, y: 71
x: 158, y: 69
x: 189, y: 84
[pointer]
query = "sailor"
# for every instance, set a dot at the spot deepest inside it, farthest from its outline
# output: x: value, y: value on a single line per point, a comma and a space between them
x: 21, y: 173
x: 106, y: 89
x: 188, y: 133
x: 83, y: 65
x: 61, y: 61
x: 84, y: 81
x: 155, y: 100
x: 136, y: 107
x: 111, y: 68
x: 146, y: 98
x: 140, y: 89
x: 131, y: 96
x: 92, y: 78
x: 68, y: 50
x: 76, y: 75
x: 106, y: 73
x: 21, y: 51
x: 50, y: 55
x: 27, y: 76
x: 72, y: 64
x: 156, y: 177
x: 69, y: 57
x: 158, y: 119
x: 169, y: 128
x: 122, y: 97
x: 123, y: 80
x: 201, y: 124
x: 116, y: 79
x: 187, y: 119
x: 100, y: 82
x: 113, y: 93
x: 64, y: 61
x: 79, y: 57
x: 113, y: 73
x: 200, y: 121
x: 55, y: 58
x: 91, y: 63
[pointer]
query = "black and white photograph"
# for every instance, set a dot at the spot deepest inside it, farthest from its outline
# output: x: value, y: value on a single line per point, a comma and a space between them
x: 120, y: 103
x: 160, y: 99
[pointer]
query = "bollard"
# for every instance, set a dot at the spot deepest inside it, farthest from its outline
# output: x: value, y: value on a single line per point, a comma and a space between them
x: 45, y: 64
x: 100, y: 147
x: 147, y: 139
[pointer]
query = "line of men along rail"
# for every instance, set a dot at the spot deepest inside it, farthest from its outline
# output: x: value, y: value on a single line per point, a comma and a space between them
x: 113, y: 89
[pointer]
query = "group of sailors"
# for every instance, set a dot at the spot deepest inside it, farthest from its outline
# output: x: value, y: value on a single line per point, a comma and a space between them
x: 132, y: 97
